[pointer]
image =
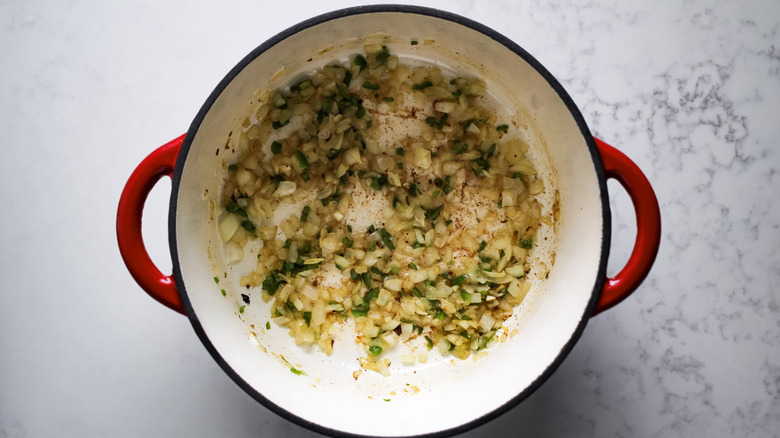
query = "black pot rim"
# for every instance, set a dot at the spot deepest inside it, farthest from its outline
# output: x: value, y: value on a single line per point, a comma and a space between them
x: 418, y: 10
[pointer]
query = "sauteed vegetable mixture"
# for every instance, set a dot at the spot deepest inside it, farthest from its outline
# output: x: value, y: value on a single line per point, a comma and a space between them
x: 387, y: 193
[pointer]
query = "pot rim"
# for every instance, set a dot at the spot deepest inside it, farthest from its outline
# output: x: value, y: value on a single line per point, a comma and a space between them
x: 408, y: 9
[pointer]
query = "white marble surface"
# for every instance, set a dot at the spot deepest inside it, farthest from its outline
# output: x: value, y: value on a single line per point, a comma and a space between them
x: 689, y: 90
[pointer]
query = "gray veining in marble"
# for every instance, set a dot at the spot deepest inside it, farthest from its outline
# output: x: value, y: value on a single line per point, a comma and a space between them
x: 689, y: 90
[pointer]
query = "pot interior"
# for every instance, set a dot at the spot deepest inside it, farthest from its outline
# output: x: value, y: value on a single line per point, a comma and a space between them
x: 444, y: 394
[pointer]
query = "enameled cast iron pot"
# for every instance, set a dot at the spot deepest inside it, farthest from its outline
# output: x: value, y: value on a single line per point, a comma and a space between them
x: 441, y: 397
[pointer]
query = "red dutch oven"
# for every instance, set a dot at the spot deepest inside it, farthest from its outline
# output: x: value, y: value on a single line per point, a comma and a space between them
x: 442, y: 396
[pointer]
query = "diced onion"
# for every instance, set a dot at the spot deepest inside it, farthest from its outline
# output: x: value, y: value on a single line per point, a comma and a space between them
x: 309, y: 292
x: 342, y: 262
x: 393, y: 284
x: 515, y: 270
x: 286, y: 188
x: 394, y: 179
x: 317, y: 314
x: 446, y: 107
x: 443, y: 345
x: 487, y: 322
x: 422, y: 158
x: 352, y: 156
x: 313, y: 261
x: 235, y: 253
x: 351, y: 221
x: 228, y: 227
x: 418, y: 276
x: 536, y: 187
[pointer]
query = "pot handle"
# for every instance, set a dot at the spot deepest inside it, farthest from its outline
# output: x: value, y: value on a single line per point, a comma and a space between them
x: 648, y: 226
x: 159, y: 163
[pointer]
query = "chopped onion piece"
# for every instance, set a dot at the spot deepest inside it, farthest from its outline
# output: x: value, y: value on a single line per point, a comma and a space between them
x: 292, y: 252
x: 371, y: 331
x: 286, y: 188
x: 394, y: 179
x: 536, y: 187
x: 281, y: 320
x: 352, y: 156
x: 515, y: 270
x: 390, y: 337
x: 515, y: 288
x: 443, y: 345
x: 341, y: 262
x: 235, y: 253
x: 228, y: 227
x: 422, y: 158
x: 317, y: 314
x: 313, y: 261
x: 382, y: 367
x: 418, y: 276
x: 446, y: 107
x: 393, y: 284
x: 309, y: 292
x: 487, y: 322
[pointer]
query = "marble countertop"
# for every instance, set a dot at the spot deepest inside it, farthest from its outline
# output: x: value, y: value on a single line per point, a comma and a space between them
x: 688, y: 90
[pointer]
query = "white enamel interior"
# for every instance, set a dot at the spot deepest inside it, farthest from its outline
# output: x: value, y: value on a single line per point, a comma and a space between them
x: 451, y: 393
